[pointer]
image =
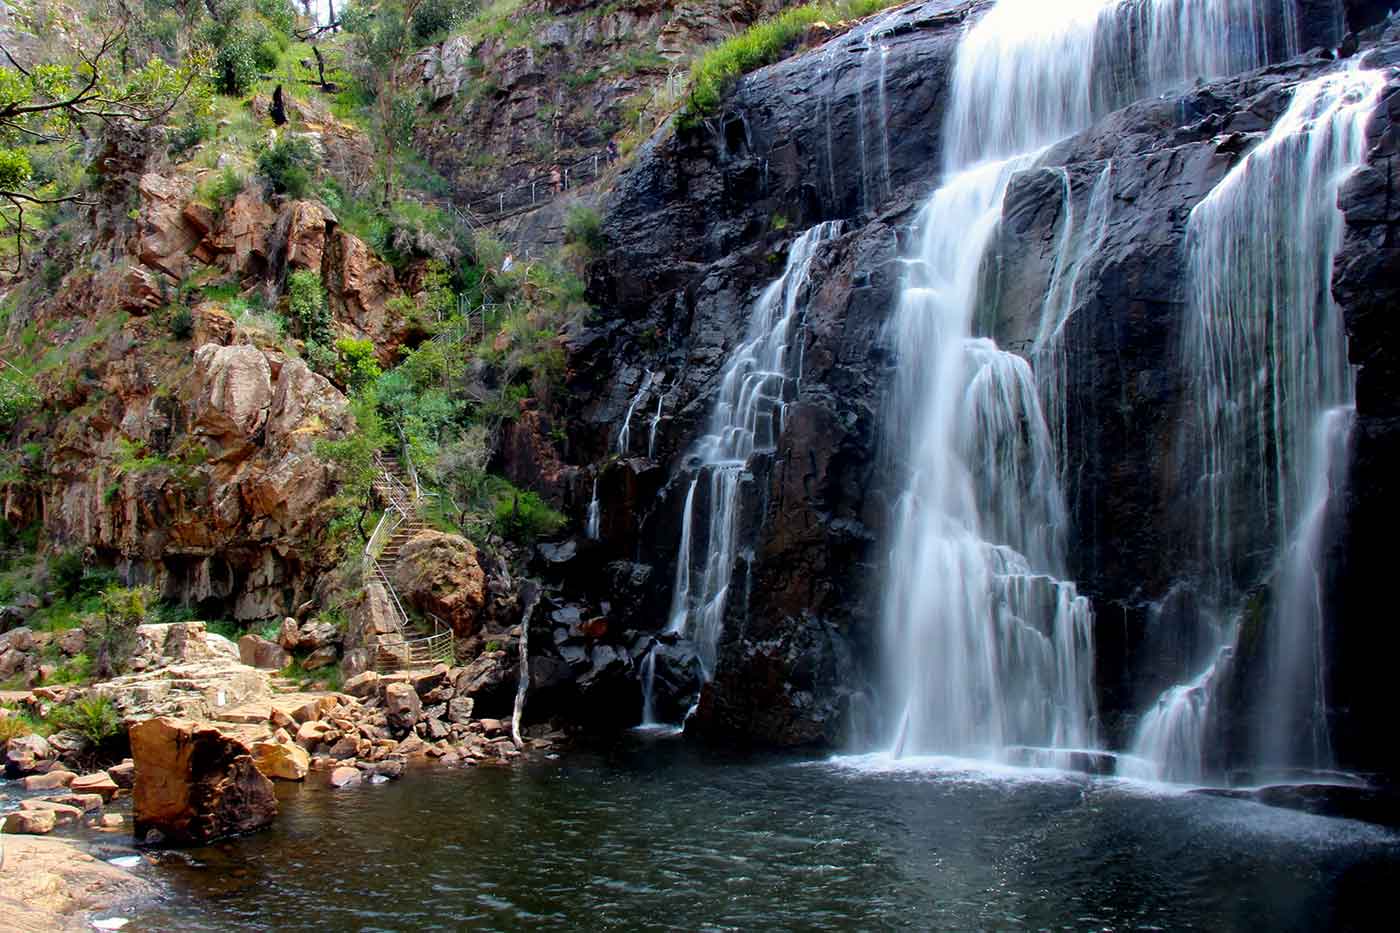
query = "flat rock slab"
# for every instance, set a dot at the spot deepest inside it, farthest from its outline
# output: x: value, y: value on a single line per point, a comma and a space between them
x: 48, y: 884
x: 53, y: 780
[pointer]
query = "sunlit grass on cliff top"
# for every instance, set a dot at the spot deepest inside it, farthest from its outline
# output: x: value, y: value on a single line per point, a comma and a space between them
x: 763, y: 43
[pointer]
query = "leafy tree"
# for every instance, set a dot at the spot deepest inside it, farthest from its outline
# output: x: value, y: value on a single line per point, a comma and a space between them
x: 306, y: 302
x: 358, y: 366
x: 113, y: 632
x: 384, y: 39
x: 53, y: 103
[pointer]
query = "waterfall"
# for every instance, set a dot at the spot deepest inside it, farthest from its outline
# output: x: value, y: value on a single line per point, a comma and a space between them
x: 987, y: 643
x: 1265, y: 350
x: 592, y: 529
x: 624, y: 436
x: 655, y: 423
x: 872, y: 192
x: 744, y: 423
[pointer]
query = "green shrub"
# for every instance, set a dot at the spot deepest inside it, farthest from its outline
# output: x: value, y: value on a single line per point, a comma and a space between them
x: 287, y: 164
x: 357, y: 366
x: 236, y: 65
x: 112, y: 634
x: 279, y: 14
x: 95, y: 718
x: 16, y: 725
x: 524, y: 517
x: 584, y: 226
x: 306, y: 305
x: 76, y: 670
x: 217, y: 189
x: 67, y: 572
x: 714, y: 72
x: 14, y: 169
x: 181, y: 323
x: 434, y: 19
x: 17, y: 399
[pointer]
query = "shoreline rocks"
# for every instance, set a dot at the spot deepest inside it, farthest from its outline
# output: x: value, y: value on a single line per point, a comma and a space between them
x: 50, y: 884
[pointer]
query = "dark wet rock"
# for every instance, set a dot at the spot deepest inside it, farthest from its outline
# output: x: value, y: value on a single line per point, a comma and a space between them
x: 490, y: 682
x: 676, y: 676
x: 1368, y: 804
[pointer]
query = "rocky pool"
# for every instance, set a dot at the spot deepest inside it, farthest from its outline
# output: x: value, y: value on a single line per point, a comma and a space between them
x: 652, y: 834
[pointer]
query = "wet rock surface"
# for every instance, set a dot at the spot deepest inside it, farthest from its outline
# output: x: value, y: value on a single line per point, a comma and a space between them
x: 692, y: 240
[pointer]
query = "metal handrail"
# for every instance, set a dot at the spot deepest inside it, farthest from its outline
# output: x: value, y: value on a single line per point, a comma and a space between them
x: 408, y: 463
x: 399, y: 494
x: 441, y: 645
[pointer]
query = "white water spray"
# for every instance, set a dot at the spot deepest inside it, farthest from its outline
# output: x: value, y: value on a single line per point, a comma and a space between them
x: 1272, y: 391
x: 987, y: 644
x: 744, y: 423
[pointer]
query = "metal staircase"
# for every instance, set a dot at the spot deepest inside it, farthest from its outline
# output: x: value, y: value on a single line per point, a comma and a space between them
x: 396, y: 485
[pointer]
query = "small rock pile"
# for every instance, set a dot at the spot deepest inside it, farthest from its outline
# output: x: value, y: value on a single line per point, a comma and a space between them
x: 40, y: 765
x: 381, y: 722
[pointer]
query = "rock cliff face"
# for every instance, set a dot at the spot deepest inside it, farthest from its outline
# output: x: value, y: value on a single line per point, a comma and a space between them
x: 188, y: 460
x: 551, y: 86
x: 699, y: 225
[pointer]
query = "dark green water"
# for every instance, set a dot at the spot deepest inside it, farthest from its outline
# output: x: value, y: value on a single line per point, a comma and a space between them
x: 653, y: 835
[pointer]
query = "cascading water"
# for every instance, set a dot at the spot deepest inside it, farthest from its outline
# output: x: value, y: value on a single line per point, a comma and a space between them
x: 746, y: 422
x: 624, y: 436
x: 1266, y: 352
x: 592, y: 529
x: 874, y: 166
x: 987, y: 645
x: 655, y: 423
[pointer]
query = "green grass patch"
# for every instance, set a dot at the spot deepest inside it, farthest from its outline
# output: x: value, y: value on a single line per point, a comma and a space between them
x: 715, y: 72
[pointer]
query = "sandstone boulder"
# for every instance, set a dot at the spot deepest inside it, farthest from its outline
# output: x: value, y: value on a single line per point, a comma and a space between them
x: 359, y: 287
x: 123, y: 774
x: 50, y: 884
x: 212, y: 324
x: 19, y: 639
x: 256, y: 651
x: 99, y: 783
x: 233, y: 392
x: 303, y: 225
x: 490, y: 681
x: 440, y: 574
x: 372, y: 625
x: 245, y: 234
x: 87, y: 803
x: 64, y: 814
x: 195, y: 784
x: 459, y: 710
x: 195, y: 690
x: 282, y: 759
x: 345, y: 777
x: 287, y: 635
x: 31, y: 822
x: 402, y: 707
x: 321, y: 657
x: 25, y: 754
x: 166, y: 235
x: 49, y: 780
x: 362, y: 685
x: 72, y: 642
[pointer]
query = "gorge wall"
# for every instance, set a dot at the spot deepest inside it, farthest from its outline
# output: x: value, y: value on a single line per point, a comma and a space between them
x: 698, y: 226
